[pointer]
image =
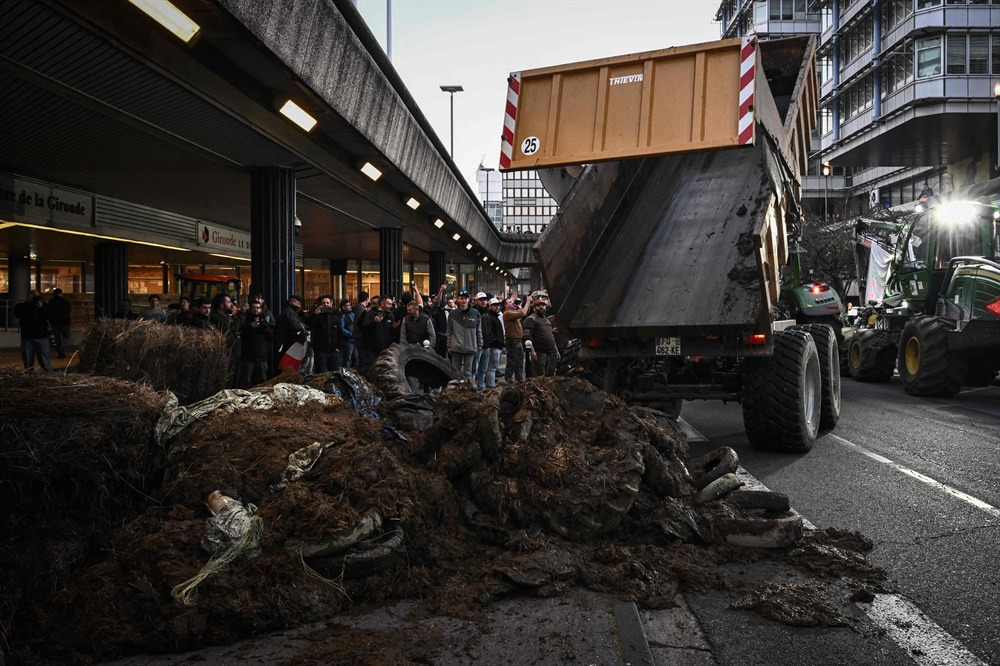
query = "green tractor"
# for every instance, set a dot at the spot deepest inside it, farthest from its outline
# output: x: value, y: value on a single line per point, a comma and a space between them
x: 811, y: 302
x: 939, y: 323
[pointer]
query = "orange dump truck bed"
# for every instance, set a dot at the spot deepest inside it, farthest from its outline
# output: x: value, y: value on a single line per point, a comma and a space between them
x: 678, y: 100
x: 689, y: 237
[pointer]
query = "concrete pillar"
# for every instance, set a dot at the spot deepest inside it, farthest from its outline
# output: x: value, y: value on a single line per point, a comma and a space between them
x: 439, y: 274
x: 110, y: 277
x: 19, y: 273
x: 272, y: 235
x: 390, y: 261
x: 338, y: 278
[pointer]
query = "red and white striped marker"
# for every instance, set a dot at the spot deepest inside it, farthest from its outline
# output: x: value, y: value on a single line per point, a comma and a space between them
x: 509, y: 119
x: 748, y: 68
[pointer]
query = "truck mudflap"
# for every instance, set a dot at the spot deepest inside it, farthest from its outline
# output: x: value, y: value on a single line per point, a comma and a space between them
x: 673, y: 245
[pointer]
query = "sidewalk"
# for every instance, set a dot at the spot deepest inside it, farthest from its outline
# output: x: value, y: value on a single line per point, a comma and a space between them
x: 581, y: 627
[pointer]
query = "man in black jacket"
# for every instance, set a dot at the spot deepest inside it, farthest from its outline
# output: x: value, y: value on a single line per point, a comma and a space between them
x: 59, y: 314
x: 33, y: 320
x: 377, y: 328
x: 493, y: 341
x: 324, y: 324
x: 289, y: 324
x: 256, y: 335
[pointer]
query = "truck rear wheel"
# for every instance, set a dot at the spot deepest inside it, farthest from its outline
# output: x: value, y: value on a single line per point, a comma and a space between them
x: 924, y: 364
x: 782, y: 395
x: 870, y: 366
x: 829, y: 367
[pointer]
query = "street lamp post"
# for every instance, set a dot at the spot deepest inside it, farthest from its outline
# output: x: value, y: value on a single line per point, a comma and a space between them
x: 451, y: 90
x: 826, y: 192
x: 488, y: 170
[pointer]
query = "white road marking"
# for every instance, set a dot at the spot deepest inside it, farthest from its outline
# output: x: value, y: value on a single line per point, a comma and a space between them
x: 923, y: 478
x: 924, y: 641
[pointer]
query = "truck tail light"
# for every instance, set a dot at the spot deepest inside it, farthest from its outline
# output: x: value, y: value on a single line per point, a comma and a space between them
x: 756, y: 339
x: 993, y: 307
x: 594, y: 342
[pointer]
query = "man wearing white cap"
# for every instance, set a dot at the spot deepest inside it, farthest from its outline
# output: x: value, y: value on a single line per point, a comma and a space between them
x: 480, y: 305
x: 493, y: 339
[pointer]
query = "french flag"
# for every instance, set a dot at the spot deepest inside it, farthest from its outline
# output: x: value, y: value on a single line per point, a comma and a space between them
x: 292, y: 358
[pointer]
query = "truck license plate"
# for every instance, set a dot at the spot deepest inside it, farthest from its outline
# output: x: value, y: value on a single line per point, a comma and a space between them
x: 668, y: 346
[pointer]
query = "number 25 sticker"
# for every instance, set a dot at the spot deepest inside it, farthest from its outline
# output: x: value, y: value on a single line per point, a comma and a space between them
x: 530, y: 145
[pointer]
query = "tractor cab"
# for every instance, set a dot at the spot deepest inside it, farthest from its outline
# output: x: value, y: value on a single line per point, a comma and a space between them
x: 928, y: 243
x: 198, y: 285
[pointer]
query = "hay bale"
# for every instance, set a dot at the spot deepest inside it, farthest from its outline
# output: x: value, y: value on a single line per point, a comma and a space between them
x: 76, y: 459
x: 191, y: 362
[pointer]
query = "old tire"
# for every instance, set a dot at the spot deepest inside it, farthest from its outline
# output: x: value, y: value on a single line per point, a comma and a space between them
x: 782, y: 395
x: 713, y: 465
x: 924, y: 364
x: 390, y: 369
x: 869, y: 367
x: 829, y: 367
x: 778, y: 531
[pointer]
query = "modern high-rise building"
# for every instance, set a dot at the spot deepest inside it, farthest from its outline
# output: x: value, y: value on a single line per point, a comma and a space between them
x: 907, y: 98
x: 517, y: 202
x: 490, y: 185
x: 527, y: 206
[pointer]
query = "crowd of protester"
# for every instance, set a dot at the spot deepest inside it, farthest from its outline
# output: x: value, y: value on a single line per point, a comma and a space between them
x: 473, y: 332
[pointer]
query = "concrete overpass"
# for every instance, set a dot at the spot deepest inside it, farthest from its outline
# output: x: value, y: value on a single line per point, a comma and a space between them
x: 164, y: 136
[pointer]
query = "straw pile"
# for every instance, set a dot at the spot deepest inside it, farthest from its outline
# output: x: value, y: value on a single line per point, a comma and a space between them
x: 76, y: 459
x: 191, y: 362
x: 527, y: 489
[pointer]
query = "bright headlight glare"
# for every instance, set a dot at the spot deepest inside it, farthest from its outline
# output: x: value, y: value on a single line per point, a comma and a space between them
x: 955, y: 213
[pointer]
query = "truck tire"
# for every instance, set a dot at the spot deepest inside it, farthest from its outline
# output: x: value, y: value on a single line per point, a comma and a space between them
x: 869, y: 367
x: 925, y: 366
x: 829, y: 366
x: 782, y: 395
x: 390, y: 369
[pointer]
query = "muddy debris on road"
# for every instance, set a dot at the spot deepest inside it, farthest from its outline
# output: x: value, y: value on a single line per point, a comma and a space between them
x: 529, y: 488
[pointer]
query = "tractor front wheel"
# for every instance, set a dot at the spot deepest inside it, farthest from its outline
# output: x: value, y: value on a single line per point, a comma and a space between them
x: 924, y: 364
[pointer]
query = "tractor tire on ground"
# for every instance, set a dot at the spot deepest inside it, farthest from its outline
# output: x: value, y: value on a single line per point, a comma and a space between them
x: 829, y: 366
x: 782, y: 395
x: 391, y: 368
x: 925, y: 366
x: 869, y: 366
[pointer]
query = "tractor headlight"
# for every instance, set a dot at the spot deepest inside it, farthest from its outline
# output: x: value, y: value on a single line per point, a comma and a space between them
x: 956, y: 213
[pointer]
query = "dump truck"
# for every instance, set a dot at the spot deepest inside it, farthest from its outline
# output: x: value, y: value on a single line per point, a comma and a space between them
x: 937, y: 322
x: 677, y: 176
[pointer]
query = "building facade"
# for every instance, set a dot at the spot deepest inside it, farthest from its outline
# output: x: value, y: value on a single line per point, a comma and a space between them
x: 906, y: 93
x: 516, y: 201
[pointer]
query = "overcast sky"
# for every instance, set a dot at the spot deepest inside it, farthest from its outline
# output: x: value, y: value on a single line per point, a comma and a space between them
x: 477, y: 43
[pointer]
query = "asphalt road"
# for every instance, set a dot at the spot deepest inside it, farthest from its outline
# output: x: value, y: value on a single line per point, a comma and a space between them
x: 876, y: 473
